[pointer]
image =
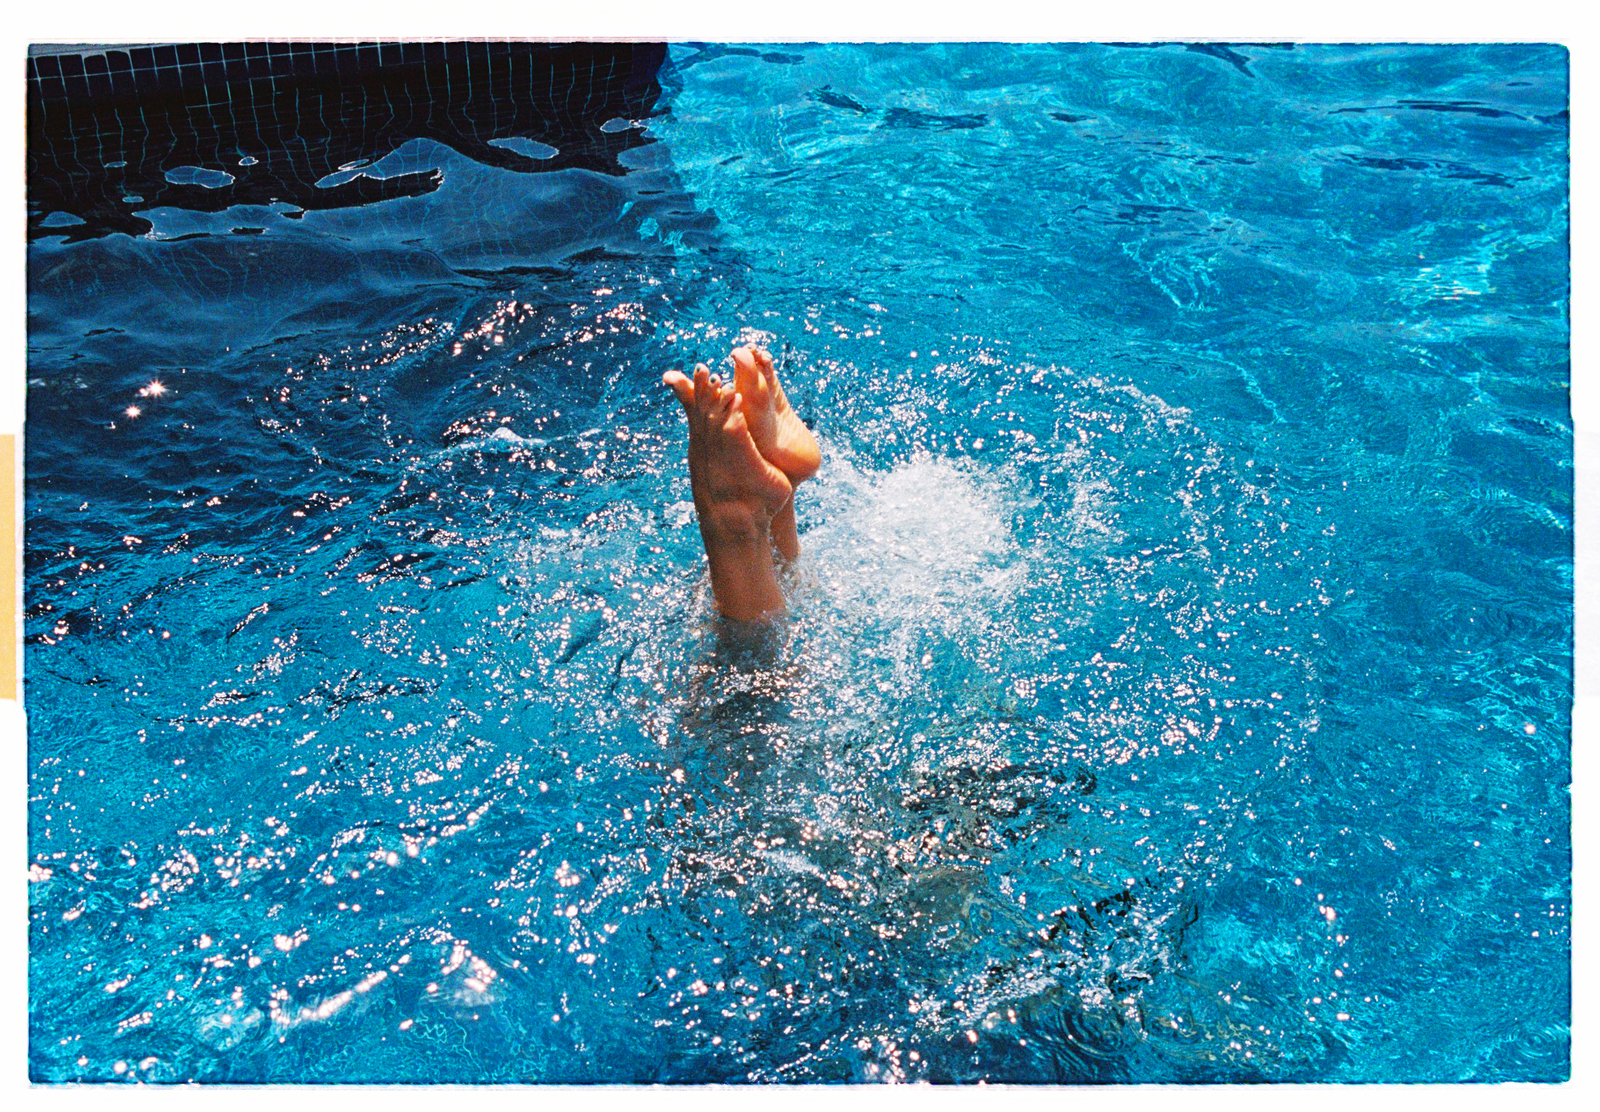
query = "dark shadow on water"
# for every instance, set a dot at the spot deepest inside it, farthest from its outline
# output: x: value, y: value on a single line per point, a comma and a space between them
x: 207, y: 126
x: 740, y: 686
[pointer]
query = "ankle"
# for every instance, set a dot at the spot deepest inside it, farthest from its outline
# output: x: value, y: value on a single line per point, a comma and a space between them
x: 734, y: 525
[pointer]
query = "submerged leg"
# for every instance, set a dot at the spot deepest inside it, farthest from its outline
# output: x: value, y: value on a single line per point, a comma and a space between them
x: 736, y: 494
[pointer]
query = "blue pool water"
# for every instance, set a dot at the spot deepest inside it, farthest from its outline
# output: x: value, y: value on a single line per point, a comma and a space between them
x: 1177, y: 679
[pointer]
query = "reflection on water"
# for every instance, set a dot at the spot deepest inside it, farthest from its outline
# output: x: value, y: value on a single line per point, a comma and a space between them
x: 298, y: 126
x: 539, y: 784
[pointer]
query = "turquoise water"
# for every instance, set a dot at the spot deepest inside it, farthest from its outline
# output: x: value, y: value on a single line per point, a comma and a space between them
x: 1177, y: 679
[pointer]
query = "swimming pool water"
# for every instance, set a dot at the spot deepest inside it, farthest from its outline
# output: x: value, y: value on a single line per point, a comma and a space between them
x: 1177, y: 679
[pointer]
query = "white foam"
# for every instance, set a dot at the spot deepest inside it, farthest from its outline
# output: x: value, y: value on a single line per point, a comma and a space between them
x: 928, y: 539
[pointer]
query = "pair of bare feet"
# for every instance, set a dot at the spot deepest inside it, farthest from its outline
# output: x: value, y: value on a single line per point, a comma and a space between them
x: 748, y: 450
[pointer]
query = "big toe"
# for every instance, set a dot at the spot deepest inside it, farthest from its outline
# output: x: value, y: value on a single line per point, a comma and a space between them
x: 758, y: 398
x: 747, y: 373
x: 681, y: 387
x: 764, y: 362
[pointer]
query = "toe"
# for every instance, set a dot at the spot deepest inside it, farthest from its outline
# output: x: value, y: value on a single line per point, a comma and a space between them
x: 704, y: 394
x: 764, y: 362
x: 746, y: 371
x: 681, y: 387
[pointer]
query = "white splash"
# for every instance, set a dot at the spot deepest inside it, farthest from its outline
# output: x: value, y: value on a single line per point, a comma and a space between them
x: 929, y: 537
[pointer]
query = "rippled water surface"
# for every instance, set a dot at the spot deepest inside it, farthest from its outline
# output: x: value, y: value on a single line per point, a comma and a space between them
x: 1176, y: 682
